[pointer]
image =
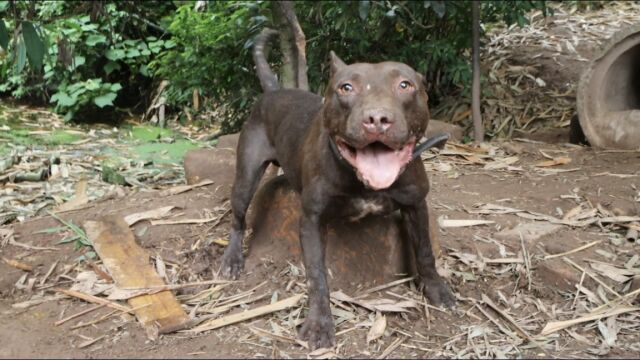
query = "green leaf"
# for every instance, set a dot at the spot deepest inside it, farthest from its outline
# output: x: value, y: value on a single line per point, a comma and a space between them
x: 63, y: 99
x: 21, y: 56
x: 79, y: 61
x: 438, y: 7
x: 104, y: 100
x: 131, y: 53
x: 94, y: 39
x: 115, y: 87
x: 363, y: 9
x: 4, y: 35
x: 92, y: 84
x: 111, y: 66
x: 115, y: 54
x: 34, y: 45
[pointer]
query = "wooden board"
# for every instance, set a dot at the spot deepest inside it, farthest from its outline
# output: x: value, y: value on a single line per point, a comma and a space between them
x: 129, y: 266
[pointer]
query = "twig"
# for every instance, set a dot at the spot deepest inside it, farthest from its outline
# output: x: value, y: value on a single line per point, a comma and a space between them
x: 394, y: 345
x: 527, y: 266
x: 93, y: 299
x: 519, y: 329
x: 46, y: 276
x: 249, y: 314
x: 105, y: 317
x: 554, y: 326
x: 583, y: 247
x: 570, y: 262
x: 84, y: 312
x: 614, y: 301
x: 91, y: 342
x: 496, y: 323
x: 265, y: 333
x: 383, y: 286
x: 575, y: 299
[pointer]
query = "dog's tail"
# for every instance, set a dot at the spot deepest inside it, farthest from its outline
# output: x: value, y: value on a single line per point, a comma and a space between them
x: 268, y: 80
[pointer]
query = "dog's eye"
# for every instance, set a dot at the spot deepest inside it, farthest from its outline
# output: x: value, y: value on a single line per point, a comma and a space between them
x: 346, y: 88
x: 405, y: 85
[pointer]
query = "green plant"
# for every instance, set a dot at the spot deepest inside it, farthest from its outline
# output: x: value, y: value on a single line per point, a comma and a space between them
x: 86, y: 60
x: 213, y: 57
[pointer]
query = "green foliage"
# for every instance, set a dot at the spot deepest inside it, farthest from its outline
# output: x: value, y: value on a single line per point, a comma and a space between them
x: 213, y: 55
x: 79, y: 62
x: 87, y: 56
x: 213, y: 47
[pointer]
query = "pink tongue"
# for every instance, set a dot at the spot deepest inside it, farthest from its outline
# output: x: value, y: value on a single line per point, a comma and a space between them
x: 379, y: 167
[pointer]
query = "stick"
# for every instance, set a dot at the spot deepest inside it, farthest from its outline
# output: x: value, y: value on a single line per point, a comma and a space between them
x: 93, y: 299
x: 91, y: 342
x: 383, y: 286
x: 583, y: 247
x: 624, y: 297
x: 46, y: 276
x: 85, y: 311
x: 105, y: 317
x: 496, y: 323
x: 249, y: 314
x: 262, y: 332
x: 525, y: 256
x: 555, y: 326
x: 394, y: 345
x: 519, y: 329
x: 570, y: 262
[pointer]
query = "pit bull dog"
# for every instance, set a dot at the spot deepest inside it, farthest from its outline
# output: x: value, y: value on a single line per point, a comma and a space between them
x: 348, y: 154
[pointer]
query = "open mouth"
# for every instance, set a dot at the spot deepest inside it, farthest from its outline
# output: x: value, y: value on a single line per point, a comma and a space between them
x: 377, y: 165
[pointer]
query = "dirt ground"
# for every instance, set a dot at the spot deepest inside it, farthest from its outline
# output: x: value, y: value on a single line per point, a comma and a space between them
x: 529, y: 289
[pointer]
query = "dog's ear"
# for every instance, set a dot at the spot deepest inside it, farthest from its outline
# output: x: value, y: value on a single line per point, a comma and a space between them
x: 336, y: 62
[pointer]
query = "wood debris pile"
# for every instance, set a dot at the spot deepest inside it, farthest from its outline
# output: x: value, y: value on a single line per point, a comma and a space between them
x: 532, y: 72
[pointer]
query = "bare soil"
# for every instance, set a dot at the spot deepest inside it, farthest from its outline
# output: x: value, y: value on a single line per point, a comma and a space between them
x: 31, y: 333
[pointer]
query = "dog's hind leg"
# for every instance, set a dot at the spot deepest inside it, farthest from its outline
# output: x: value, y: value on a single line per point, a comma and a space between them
x: 254, y: 154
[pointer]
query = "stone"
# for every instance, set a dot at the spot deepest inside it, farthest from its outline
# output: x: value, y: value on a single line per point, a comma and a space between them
x: 437, y: 126
x: 373, y: 250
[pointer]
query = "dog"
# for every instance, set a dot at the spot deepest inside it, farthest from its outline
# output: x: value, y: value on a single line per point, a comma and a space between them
x: 350, y: 152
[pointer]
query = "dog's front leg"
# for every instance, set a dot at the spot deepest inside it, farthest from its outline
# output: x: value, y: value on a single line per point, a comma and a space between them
x: 416, y: 222
x: 318, y: 328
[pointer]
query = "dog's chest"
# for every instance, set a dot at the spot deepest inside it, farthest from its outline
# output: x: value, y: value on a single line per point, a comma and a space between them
x: 359, y: 207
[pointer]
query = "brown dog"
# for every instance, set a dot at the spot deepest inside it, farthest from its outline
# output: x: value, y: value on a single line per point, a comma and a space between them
x: 347, y: 153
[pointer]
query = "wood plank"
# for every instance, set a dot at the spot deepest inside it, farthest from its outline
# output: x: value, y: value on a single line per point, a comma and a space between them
x: 129, y: 266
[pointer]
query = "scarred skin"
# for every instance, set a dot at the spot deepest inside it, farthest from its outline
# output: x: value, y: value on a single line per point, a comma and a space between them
x: 294, y: 128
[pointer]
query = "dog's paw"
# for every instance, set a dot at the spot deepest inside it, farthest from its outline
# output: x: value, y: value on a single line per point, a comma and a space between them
x: 438, y: 293
x: 318, y: 331
x: 232, y: 264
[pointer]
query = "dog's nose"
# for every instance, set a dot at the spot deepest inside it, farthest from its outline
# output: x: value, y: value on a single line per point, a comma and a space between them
x: 377, y: 120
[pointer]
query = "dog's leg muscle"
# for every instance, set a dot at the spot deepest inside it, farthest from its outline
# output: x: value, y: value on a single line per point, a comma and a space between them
x: 250, y: 166
x: 318, y: 328
x: 416, y: 221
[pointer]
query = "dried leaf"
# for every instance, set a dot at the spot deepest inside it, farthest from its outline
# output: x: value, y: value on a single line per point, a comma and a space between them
x: 451, y: 223
x: 147, y: 215
x: 377, y: 328
x: 554, y: 162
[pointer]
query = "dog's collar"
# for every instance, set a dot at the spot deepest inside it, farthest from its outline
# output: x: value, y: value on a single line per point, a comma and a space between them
x: 336, y: 152
x: 438, y: 140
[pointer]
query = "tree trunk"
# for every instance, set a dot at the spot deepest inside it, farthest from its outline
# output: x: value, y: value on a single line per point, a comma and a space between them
x: 292, y: 44
x: 478, y: 126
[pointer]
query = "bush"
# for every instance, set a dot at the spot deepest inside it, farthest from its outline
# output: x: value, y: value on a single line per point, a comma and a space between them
x: 112, y: 56
x: 213, y: 56
x: 88, y: 59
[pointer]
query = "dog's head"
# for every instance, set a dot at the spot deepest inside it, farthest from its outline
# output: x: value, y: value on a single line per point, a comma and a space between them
x: 375, y: 113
